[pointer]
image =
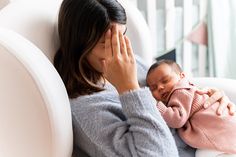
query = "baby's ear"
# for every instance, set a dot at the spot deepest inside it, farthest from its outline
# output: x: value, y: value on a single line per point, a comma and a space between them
x: 182, y: 75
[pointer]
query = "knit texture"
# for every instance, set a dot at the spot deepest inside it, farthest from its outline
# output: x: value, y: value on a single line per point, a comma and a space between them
x: 109, y: 125
x: 199, y: 127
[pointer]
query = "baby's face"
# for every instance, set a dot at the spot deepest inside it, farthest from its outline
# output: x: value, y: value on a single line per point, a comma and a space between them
x: 161, y: 81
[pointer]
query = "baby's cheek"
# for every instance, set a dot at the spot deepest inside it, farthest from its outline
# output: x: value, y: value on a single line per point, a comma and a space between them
x: 156, y: 95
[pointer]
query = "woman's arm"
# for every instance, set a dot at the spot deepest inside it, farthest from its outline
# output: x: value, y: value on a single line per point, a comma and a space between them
x: 144, y: 132
x: 149, y: 131
x: 132, y: 128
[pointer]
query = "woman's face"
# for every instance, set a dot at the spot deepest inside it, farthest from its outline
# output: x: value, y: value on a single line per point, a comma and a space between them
x: 98, y: 55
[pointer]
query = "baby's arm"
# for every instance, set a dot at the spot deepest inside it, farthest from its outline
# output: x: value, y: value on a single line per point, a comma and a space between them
x: 177, y: 111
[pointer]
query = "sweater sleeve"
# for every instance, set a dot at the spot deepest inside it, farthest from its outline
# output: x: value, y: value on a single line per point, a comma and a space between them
x: 141, y: 132
x: 177, y: 112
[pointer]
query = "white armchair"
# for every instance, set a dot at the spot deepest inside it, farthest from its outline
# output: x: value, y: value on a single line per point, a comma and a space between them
x: 227, y: 85
x: 35, y: 113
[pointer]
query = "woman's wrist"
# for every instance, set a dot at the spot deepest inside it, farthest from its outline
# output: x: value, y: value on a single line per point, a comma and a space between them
x: 127, y: 88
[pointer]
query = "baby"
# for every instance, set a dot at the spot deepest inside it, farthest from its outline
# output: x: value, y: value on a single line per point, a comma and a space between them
x: 182, y: 108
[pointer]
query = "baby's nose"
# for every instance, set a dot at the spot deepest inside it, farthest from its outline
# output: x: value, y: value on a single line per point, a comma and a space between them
x: 160, y: 87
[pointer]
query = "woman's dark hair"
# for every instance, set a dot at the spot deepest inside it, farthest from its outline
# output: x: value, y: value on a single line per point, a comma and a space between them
x: 81, y: 23
x: 171, y: 63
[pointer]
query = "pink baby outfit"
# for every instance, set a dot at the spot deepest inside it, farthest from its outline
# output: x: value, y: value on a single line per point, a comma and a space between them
x: 198, y: 127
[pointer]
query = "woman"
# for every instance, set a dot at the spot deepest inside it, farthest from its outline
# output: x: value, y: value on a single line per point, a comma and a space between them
x: 112, y: 115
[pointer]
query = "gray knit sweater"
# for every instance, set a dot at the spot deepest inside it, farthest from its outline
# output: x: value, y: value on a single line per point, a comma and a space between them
x: 108, y: 125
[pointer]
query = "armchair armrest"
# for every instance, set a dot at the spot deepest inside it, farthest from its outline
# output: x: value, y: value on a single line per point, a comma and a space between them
x: 227, y: 85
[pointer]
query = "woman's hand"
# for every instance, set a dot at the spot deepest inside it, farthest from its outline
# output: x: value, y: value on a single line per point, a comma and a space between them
x: 120, y: 67
x: 217, y: 95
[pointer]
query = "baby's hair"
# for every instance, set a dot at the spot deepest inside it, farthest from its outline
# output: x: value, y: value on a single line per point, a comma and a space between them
x: 171, y: 63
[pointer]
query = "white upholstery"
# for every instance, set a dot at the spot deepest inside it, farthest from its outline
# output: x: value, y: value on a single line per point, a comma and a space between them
x: 35, y: 109
x: 34, y: 20
x: 227, y: 85
x: 35, y: 112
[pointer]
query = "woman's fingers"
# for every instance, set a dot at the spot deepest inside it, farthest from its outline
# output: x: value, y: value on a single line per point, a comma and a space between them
x: 214, y: 97
x: 207, y: 90
x: 120, y: 43
x: 108, y: 49
x: 123, y: 48
x: 231, y: 107
x: 223, y: 105
x: 120, y: 70
x: 226, y: 104
x: 115, y: 41
x: 202, y: 91
x: 129, y: 49
x: 218, y: 95
x: 211, y: 91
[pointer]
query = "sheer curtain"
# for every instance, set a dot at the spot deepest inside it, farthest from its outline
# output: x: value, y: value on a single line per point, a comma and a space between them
x: 222, y: 38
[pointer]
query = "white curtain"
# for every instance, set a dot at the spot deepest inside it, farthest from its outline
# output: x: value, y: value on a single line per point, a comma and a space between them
x: 222, y: 38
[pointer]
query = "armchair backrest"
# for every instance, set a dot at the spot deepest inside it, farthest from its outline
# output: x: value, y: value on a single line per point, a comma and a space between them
x: 34, y: 20
x: 35, y: 110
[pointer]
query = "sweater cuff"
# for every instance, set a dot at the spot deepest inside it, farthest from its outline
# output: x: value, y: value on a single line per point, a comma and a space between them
x: 138, y: 102
x: 162, y: 107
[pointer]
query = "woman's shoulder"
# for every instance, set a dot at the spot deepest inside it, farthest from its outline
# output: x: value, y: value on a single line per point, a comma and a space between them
x: 95, y: 97
x: 88, y: 108
x: 109, y: 91
x: 88, y: 103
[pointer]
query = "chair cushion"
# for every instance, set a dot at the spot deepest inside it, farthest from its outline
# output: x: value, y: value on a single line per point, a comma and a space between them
x: 36, y: 21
